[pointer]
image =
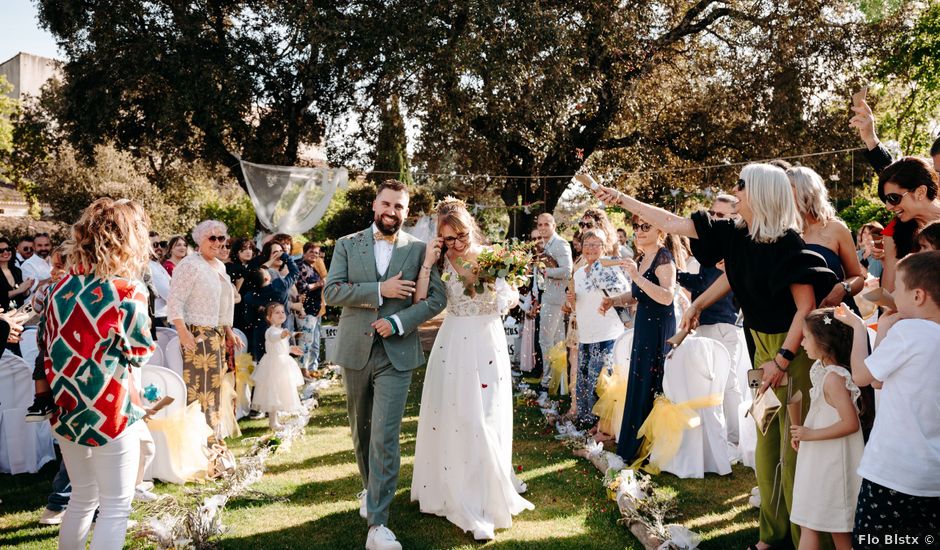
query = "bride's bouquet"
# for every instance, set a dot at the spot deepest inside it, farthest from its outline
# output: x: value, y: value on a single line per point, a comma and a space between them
x: 510, y: 262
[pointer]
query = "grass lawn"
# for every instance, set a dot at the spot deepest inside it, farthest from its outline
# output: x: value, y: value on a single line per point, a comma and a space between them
x: 314, y: 486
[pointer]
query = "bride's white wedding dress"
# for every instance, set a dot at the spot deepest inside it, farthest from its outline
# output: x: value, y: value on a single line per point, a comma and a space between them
x: 463, y: 455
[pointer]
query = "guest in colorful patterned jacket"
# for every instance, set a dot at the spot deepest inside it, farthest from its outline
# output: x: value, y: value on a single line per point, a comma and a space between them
x: 96, y: 331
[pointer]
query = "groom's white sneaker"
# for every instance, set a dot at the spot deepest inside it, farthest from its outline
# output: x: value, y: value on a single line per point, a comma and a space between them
x: 381, y: 538
x: 363, y: 511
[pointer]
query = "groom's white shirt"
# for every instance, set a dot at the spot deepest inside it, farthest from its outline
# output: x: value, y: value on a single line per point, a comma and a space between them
x: 383, y: 256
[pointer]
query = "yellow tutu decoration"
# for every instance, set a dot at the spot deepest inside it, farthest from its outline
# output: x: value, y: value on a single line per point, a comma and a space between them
x: 228, y: 426
x: 180, y: 440
x: 558, y: 361
x: 612, y: 393
x: 664, y: 426
x: 244, y: 366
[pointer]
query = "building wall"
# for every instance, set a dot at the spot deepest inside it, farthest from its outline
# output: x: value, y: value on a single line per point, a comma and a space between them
x: 28, y: 73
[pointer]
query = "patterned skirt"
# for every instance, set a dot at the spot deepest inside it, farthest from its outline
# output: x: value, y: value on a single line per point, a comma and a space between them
x: 202, y: 372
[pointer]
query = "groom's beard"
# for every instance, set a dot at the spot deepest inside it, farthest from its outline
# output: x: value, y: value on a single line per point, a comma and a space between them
x: 386, y: 226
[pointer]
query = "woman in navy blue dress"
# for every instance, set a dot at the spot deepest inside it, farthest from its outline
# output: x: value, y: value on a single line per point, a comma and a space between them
x: 654, y: 323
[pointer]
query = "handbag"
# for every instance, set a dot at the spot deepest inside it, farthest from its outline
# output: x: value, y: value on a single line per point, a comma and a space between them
x: 763, y: 409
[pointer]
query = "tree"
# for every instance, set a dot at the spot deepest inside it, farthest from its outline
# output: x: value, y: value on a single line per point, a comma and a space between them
x: 8, y: 107
x: 174, y: 82
x: 391, y: 150
x: 536, y: 89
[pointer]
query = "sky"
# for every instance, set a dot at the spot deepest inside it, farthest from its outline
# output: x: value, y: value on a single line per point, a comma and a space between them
x: 20, y: 31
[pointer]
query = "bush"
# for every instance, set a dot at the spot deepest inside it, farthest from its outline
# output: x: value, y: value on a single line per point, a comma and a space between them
x: 864, y: 210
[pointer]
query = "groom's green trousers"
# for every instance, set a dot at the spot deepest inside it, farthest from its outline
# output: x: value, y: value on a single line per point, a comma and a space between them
x: 375, y: 400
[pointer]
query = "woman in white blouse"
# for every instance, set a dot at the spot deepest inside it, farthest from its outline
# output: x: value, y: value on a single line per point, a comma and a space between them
x: 201, y: 307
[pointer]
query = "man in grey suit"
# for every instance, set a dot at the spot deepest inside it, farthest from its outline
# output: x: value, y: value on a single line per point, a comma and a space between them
x: 553, y: 287
x: 372, y: 277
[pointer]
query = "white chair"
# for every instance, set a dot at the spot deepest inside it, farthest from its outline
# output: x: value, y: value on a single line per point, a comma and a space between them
x: 174, y: 462
x: 168, y: 383
x: 24, y: 446
x: 173, y: 356
x: 699, y: 368
x: 244, y: 339
x: 157, y: 358
x: 29, y: 347
x: 164, y: 335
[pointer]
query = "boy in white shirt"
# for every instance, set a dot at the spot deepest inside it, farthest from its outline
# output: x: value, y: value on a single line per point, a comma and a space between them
x: 900, y: 494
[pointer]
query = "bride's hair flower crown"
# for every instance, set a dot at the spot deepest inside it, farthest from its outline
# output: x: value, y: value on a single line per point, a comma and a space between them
x: 449, y: 204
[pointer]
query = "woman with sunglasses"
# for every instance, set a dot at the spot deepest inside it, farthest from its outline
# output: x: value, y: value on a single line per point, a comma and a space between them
x: 775, y: 279
x: 463, y: 451
x: 908, y: 188
x: 13, y: 288
x: 653, y: 290
x: 201, y: 308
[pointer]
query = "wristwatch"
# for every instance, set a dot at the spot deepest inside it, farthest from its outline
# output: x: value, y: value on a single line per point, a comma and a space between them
x: 847, y: 287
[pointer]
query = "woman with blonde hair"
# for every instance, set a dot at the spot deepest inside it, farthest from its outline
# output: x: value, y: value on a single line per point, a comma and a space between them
x: 827, y: 235
x: 776, y: 281
x: 463, y: 454
x: 96, y: 329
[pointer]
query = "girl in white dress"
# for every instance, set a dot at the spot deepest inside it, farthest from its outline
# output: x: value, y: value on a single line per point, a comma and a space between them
x: 463, y: 453
x: 829, y: 443
x: 277, y: 375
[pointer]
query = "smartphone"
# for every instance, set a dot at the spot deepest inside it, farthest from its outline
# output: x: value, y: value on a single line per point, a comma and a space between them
x: 860, y: 96
x: 755, y: 378
x: 22, y: 313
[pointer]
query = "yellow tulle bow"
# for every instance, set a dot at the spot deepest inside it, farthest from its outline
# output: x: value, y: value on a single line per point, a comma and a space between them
x: 244, y: 366
x: 612, y: 392
x: 185, y: 432
x: 664, y: 427
x: 558, y: 361
x: 229, y: 426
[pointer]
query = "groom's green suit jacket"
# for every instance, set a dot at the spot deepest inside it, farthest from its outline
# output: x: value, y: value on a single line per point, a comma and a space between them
x: 353, y: 283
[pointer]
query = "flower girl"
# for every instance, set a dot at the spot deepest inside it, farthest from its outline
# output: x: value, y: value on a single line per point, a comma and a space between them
x: 277, y: 375
x: 829, y: 442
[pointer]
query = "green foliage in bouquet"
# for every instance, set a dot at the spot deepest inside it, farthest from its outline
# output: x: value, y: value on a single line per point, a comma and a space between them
x: 511, y: 262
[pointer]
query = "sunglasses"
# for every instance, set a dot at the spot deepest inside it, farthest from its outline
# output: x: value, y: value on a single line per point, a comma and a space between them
x: 463, y: 237
x: 159, y: 244
x: 741, y: 185
x: 586, y: 225
x: 895, y: 199
x: 218, y: 238
x: 719, y: 215
x: 30, y: 249
x: 225, y: 246
x: 6, y: 250
x: 644, y: 227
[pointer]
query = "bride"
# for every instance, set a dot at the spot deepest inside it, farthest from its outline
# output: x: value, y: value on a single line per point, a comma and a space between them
x: 463, y: 455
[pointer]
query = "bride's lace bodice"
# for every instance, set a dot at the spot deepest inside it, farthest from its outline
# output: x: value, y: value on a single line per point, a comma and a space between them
x: 496, y: 301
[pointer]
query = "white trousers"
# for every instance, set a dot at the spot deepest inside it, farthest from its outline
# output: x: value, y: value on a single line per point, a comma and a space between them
x: 551, y: 331
x: 104, y: 478
x: 729, y: 335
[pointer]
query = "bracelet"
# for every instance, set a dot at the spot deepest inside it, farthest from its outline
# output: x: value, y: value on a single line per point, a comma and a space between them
x: 779, y: 367
x: 426, y: 268
x: 786, y: 354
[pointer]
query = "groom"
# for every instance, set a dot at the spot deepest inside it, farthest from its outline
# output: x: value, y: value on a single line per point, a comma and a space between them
x: 372, y: 277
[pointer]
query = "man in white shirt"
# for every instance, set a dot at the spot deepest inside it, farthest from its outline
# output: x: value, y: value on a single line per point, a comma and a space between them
x: 24, y: 250
x: 36, y: 266
x: 553, y: 286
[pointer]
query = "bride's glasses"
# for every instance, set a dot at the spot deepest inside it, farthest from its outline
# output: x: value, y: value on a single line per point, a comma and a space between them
x: 462, y: 237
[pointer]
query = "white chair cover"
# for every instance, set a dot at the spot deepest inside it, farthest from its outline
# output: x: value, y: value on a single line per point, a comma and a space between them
x: 173, y: 356
x: 29, y: 347
x: 699, y: 368
x: 164, y: 335
x: 244, y: 339
x: 623, y: 348
x: 174, y: 462
x: 157, y: 358
x: 24, y: 446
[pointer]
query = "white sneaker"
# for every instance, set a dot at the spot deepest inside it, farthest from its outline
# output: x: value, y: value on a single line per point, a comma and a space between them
x: 143, y: 495
x: 51, y: 517
x: 146, y: 485
x: 754, y: 501
x: 381, y: 538
x: 363, y: 510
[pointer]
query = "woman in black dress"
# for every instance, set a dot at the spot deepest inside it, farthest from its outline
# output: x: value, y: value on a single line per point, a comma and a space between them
x: 776, y: 281
x: 13, y: 288
x: 653, y: 289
